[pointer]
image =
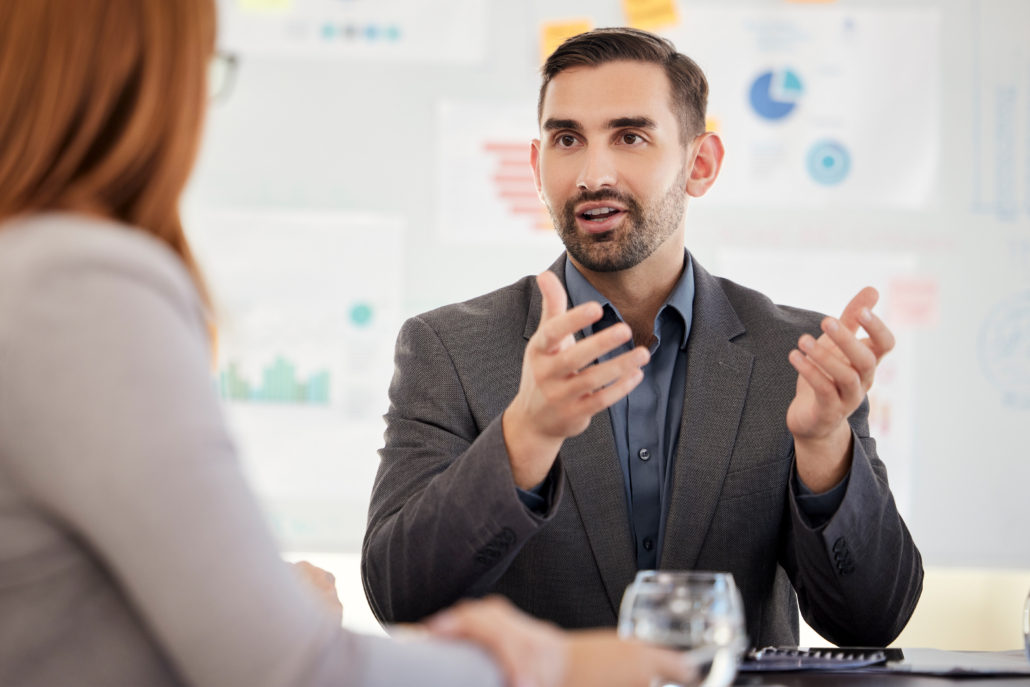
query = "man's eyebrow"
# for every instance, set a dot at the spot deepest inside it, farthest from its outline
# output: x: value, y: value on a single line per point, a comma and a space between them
x: 556, y: 124
x: 631, y: 123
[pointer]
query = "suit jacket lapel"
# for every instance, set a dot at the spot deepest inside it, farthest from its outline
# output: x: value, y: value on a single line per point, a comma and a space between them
x: 591, y: 466
x: 718, y: 374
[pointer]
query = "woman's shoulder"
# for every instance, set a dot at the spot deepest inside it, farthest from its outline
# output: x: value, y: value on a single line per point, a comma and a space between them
x: 58, y: 252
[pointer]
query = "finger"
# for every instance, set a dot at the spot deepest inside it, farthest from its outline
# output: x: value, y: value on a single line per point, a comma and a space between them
x: 881, y: 339
x: 597, y: 377
x: 609, y: 395
x: 824, y: 388
x: 866, y: 298
x: 552, y: 332
x: 840, y: 372
x: 555, y: 299
x: 857, y: 354
x: 583, y: 353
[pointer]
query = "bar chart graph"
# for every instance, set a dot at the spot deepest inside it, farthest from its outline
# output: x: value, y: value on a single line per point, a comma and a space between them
x: 279, y: 384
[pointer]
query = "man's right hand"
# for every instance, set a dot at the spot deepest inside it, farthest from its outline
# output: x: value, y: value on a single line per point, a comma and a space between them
x: 559, y: 393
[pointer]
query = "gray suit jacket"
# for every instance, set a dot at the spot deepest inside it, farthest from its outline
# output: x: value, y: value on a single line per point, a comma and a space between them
x: 445, y: 521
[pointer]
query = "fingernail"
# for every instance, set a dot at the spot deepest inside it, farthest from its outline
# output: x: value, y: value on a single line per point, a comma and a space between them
x: 865, y: 315
x: 832, y: 325
x: 806, y: 344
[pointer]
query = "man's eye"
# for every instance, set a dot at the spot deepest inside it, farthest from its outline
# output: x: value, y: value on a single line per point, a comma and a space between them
x: 630, y: 139
x: 566, y: 141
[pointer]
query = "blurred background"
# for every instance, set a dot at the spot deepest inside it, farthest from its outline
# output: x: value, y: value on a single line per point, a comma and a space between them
x: 367, y: 160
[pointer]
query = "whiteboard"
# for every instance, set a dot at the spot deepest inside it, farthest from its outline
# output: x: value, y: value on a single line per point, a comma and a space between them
x: 384, y: 137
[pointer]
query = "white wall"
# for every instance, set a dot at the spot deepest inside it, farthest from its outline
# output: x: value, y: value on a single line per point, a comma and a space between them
x: 303, y: 133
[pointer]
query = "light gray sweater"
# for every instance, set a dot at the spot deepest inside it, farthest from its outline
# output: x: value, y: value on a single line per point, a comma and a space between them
x: 131, y: 550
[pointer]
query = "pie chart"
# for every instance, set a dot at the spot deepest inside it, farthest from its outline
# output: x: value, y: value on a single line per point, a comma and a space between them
x: 775, y: 94
x: 829, y: 162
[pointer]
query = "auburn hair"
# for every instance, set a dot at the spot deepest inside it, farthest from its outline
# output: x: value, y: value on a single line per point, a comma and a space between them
x: 102, y: 109
x: 687, y: 83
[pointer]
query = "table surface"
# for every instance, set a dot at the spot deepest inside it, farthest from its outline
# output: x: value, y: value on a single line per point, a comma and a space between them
x: 886, y: 680
x: 898, y: 679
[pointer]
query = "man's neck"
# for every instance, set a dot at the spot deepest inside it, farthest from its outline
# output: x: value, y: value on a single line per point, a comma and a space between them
x: 639, y: 292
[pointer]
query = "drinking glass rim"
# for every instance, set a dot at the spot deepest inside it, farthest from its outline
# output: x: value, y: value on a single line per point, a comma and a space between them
x: 687, y: 575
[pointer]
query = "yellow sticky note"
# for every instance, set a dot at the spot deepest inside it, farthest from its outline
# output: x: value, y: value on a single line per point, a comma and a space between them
x: 554, y: 33
x: 262, y: 6
x: 650, y: 15
x: 712, y: 124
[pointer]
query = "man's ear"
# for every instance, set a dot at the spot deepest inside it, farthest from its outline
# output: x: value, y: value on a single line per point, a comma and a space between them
x: 707, y: 161
x: 534, y: 160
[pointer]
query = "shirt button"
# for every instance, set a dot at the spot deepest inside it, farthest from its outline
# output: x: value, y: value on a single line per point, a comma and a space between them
x: 648, y: 544
x: 644, y: 454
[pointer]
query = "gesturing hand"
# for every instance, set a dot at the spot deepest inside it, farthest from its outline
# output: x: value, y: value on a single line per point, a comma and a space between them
x: 835, y: 372
x: 558, y: 392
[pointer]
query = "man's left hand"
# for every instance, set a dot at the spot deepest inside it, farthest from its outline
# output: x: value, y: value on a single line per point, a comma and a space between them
x: 835, y: 372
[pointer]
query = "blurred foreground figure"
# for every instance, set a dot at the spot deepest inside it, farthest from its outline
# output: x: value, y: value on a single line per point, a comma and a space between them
x: 131, y: 551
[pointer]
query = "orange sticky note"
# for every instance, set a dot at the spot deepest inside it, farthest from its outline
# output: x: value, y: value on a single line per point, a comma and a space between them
x: 554, y: 33
x: 650, y: 15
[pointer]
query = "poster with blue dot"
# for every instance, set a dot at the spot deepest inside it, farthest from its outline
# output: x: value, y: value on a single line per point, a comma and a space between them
x: 820, y: 106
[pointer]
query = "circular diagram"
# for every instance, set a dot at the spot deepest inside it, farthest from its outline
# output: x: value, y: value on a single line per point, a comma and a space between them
x: 361, y: 314
x: 1005, y: 348
x: 829, y: 162
x: 775, y: 94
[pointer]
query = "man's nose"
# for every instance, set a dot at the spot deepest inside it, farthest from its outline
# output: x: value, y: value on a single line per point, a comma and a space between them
x: 598, y: 169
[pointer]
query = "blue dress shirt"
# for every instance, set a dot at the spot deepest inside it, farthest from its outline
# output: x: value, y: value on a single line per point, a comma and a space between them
x: 646, y: 423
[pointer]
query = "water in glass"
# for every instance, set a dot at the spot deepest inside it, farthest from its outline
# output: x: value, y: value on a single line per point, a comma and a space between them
x: 700, y: 613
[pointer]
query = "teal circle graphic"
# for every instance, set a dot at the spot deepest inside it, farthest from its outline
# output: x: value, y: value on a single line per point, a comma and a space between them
x: 361, y: 314
x: 829, y: 163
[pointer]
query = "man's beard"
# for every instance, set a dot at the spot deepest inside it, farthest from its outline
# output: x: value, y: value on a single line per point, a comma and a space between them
x: 639, y: 235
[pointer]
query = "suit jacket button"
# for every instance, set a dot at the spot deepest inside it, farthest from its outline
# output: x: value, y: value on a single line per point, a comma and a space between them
x: 644, y: 454
x: 839, y: 544
x: 648, y: 544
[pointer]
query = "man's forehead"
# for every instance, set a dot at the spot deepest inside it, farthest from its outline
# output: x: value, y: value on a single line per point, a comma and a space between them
x: 610, y: 91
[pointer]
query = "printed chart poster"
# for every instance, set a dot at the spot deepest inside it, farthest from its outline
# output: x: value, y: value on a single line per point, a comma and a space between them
x: 309, y: 306
x: 826, y: 282
x: 820, y: 106
x: 1001, y: 108
x: 430, y: 31
x: 486, y: 190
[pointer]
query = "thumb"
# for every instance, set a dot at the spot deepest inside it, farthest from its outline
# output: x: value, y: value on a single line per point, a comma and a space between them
x: 555, y: 299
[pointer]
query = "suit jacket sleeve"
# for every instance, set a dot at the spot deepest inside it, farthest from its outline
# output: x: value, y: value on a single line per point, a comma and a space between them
x: 858, y: 576
x: 445, y: 520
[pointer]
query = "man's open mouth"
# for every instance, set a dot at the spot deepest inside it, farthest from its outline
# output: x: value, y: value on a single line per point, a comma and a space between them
x: 599, y: 214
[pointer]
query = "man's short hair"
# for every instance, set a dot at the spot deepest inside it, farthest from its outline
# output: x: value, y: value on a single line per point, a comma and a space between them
x: 687, y: 83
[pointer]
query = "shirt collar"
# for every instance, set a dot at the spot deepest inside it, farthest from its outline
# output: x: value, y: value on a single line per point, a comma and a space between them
x: 680, y: 300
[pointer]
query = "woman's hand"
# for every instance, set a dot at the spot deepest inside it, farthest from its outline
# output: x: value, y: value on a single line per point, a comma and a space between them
x: 323, y: 584
x: 536, y: 654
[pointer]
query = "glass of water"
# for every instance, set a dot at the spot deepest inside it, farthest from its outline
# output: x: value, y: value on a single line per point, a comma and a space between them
x: 699, y: 613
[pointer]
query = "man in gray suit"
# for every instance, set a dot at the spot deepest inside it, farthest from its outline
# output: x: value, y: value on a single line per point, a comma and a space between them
x: 626, y: 410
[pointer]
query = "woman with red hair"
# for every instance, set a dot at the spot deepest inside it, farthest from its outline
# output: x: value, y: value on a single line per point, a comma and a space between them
x: 132, y: 552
